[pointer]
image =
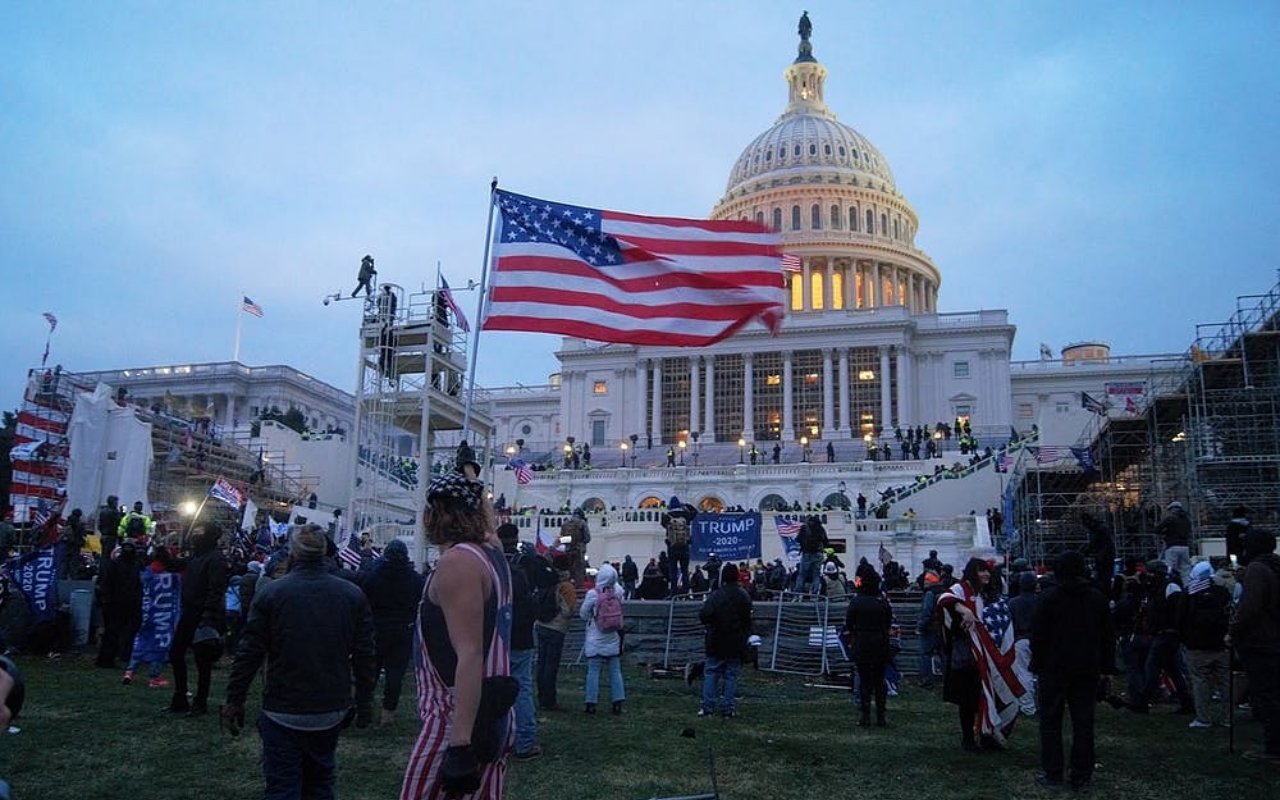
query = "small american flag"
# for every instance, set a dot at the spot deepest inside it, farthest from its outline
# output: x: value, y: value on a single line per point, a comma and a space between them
x: 788, y: 527
x: 1049, y: 454
x: 790, y: 263
x: 349, y: 555
x: 458, y: 316
x: 524, y: 473
x: 250, y: 307
x: 221, y: 490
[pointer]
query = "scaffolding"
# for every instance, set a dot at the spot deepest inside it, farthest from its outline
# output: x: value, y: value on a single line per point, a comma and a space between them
x: 1206, y: 434
x: 410, y: 387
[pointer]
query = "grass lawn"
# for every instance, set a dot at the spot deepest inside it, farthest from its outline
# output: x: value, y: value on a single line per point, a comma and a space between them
x: 85, y: 736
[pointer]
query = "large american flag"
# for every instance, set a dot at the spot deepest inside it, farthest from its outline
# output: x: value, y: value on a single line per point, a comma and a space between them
x: 623, y: 278
x: 789, y: 533
x: 1048, y: 454
x: 992, y: 644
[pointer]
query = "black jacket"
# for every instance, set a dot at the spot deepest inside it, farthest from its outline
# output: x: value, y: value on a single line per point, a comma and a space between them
x: 727, y: 615
x: 204, y: 589
x: 1071, y: 633
x: 393, y: 590
x: 120, y: 587
x: 868, y: 620
x: 315, y: 632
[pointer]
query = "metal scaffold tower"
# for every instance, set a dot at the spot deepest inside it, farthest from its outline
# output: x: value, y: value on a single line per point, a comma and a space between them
x: 1207, y: 434
x: 410, y: 388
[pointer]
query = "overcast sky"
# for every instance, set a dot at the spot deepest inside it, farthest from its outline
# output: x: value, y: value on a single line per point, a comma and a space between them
x: 1100, y: 171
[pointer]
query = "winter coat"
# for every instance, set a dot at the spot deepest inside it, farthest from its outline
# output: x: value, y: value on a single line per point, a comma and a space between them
x: 204, y: 588
x: 726, y: 613
x: 1257, y: 621
x: 393, y: 589
x: 1071, y: 632
x: 597, y: 642
x: 868, y: 620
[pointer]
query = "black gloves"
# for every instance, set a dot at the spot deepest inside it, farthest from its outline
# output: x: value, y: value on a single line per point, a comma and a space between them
x: 364, y: 715
x: 460, y: 773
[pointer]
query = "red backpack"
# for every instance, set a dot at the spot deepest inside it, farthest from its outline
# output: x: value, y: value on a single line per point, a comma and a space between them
x: 608, y: 610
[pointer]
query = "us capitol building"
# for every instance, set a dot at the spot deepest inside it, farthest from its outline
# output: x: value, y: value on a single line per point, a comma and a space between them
x: 863, y: 349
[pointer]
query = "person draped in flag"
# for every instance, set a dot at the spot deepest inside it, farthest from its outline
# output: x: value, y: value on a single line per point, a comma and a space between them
x: 979, y: 654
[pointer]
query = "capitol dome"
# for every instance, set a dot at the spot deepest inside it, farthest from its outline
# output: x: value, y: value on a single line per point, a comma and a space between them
x: 831, y: 195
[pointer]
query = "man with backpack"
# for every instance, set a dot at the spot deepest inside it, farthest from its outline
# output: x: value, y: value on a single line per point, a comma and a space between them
x: 813, y: 541
x: 676, y: 523
x: 1203, y: 616
x: 556, y: 609
x: 524, y: 610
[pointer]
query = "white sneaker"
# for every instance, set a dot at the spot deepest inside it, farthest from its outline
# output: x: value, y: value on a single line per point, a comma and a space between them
x: 1195, y: 723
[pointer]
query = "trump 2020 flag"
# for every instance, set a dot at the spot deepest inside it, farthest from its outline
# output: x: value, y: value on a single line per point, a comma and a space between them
x: 630, y: 279
x: 227, y: 493
x: 36, y: 576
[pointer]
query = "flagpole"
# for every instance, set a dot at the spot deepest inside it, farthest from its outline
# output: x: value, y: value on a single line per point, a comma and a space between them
x: 475, y: 340
x: 235, y: 354
x: 196, y: 515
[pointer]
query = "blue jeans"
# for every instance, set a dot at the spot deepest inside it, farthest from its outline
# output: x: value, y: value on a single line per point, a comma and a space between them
x: 526, y: 720
x: 928, y: 646
x: 809, y: 576
x: 1163, y: 657
x: 616, y: 692
x: 718, y: 669
x: 550, y: 646
x: 297, y: 765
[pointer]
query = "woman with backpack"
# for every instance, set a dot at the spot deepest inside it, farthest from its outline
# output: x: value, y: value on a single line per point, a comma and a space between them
x: 602, y: 610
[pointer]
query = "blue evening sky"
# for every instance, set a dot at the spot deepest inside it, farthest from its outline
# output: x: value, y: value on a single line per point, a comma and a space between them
x: 1101, y: 170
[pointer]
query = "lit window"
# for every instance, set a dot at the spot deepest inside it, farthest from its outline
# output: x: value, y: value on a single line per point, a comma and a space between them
x: 601, y: 387
x: 815, y: 287
x: 797, y: 291
x: 960, y: 369
x: 773, y: 379
x: 866, y: 375
x: 837, y: 289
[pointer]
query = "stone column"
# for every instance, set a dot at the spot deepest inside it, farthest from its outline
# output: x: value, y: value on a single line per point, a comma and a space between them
x: 748, y: 397
x: 806, y: 267
x: 904, y: 385
x: 709, y: 418
x: 655, y: 422
x: 642, y: 398
x: 828, y: 400
x: 788, y: 407
x: 695, y: 370
x: 911, y: 293
x: 844, y: 423
x: 877, y: 289
x: 886, y: 398
x: 850, y: 285
x: 828, y: 288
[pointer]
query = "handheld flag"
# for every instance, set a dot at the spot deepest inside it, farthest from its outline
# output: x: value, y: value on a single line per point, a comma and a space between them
x: 629, y: 279
x: 349, y: 555
x: 221, y: 490
x: 789, y: 532
x: 524, y: 473
x: 1093, y: 404
x: 447, y: 294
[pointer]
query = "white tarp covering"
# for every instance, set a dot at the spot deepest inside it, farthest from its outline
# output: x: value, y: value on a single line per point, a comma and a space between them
x: 110, y: 453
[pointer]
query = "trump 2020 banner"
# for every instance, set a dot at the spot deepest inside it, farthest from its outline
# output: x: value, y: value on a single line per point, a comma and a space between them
x: 161, y: 592
x: 36, y: 574
x: 732, y: 537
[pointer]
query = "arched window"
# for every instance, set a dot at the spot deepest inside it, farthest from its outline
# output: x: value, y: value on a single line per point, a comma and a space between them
x: 797, y: 291
x: 841, y: 151
x: 782, y: 152
x: 796, y: 151
x: 795, y: 218
x: 853, y: 218
x: 871, y: 222
x: 767, y: 157
x: 884, y: 225
x: 815, y: 290
x: 760, y: 218
x: 837, y: 288
x: 777, y: 219
x: 895, y: 227
x: 813, y: 149
x: 826, y: 149
x: 835, y: 218
x: 815, y: 217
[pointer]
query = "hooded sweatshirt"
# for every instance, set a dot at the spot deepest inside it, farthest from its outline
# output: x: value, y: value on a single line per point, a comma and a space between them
x: 599, y: 643
x: 1257, y: 621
